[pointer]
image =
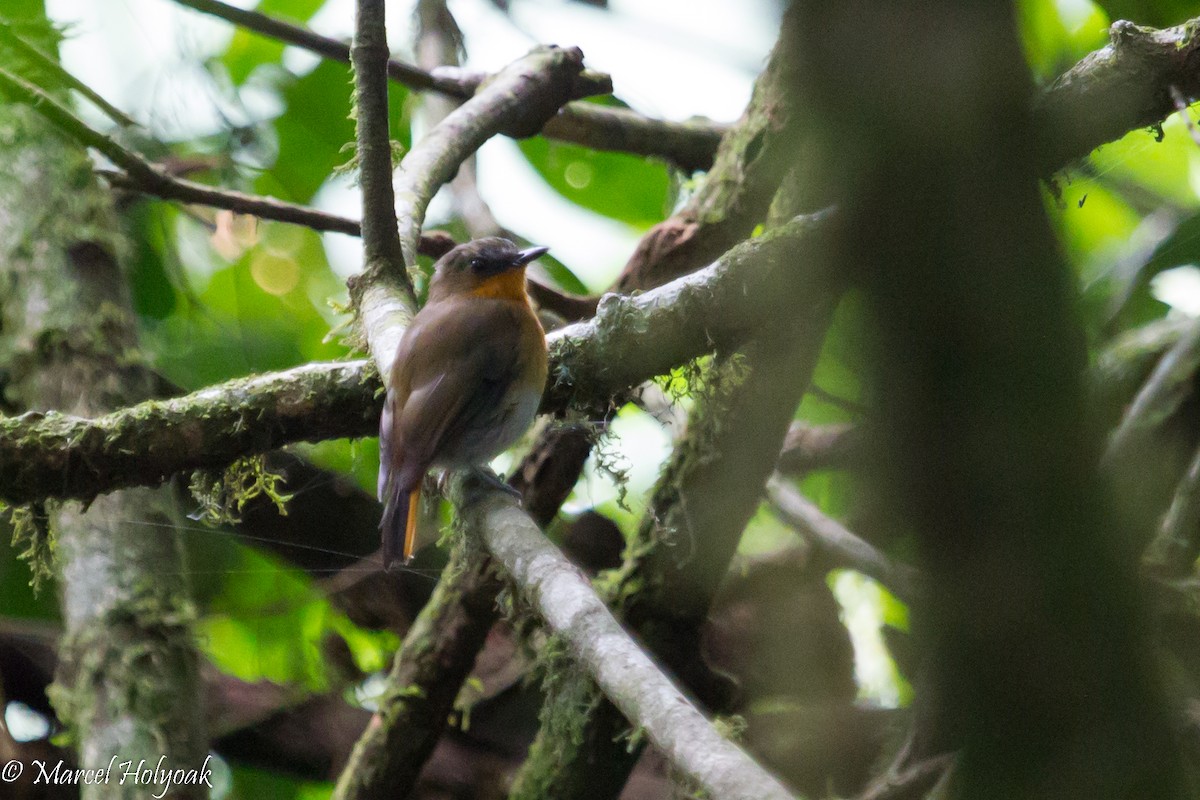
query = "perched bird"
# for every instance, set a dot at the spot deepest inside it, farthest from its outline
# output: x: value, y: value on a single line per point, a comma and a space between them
x: 466, y: 382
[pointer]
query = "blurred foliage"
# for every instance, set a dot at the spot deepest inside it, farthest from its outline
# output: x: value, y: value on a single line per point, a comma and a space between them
x: 1057, y: 34
x: 624, y: 187
x: 251, y: 783
x: 1159, y: 13
x: 221, y: 296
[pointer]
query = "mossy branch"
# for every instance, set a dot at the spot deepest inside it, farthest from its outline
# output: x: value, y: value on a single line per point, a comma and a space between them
x: 1122, y: 87
x: 426, y: 676
x: 631, y: 340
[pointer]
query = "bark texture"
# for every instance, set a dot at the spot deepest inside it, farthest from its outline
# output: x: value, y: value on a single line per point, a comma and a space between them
x: 128, y: 681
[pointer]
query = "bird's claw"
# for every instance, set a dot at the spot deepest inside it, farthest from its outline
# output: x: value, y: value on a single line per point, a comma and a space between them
x: 492, y: 479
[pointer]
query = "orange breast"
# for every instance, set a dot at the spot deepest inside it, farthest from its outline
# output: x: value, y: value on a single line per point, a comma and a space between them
x: 508, y: 285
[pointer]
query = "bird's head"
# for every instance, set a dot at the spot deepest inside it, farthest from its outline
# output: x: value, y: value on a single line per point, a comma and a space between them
x: 490, y: 267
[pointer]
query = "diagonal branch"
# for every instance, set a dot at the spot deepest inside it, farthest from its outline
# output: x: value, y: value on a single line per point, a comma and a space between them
x: 840, y: 545
x: 139, y: 174
x: 564, y: 598
x: 41, y: 61
x: 147, y: 177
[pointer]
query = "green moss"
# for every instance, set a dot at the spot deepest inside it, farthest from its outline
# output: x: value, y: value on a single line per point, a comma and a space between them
x: 223, y: 495
x: 571, y: 698
x: 131, y: 662
x: 32, y: 538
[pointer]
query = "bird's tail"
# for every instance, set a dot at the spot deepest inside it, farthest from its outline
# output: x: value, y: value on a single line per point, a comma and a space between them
x: 399, y: 523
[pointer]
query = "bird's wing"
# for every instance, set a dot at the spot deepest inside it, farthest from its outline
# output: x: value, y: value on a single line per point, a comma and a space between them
x: 454, y: 383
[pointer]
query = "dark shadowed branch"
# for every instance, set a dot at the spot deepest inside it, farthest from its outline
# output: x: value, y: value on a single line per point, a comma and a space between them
x: 840, y: 546
x: 981, y: 442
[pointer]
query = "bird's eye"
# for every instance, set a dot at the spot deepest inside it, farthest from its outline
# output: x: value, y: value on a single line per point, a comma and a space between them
x: 476, y: 264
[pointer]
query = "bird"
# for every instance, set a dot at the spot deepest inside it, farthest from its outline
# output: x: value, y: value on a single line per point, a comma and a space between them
x: 466, y: 381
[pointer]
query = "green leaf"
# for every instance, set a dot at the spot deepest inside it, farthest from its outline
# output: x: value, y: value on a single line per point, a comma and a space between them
x: 311, y: 132
x: 628, y: 188
x: 152, y: 283
x: 249, y: 783
x: 562, y: 275
x: 256, y: 316
x: 248, y: 50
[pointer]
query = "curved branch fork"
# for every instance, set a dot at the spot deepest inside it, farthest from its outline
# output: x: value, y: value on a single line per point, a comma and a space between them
x: 519, y: 100
x: 570, y: 607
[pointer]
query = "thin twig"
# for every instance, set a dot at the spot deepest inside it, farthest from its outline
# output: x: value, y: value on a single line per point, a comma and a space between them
x: 843, y: 547
x: 145, y: 176
x: 45, y: 62
x: 690, y: 144
x: 1168, y: 385
x: 1174, y: 550
x: 139, y: 174
x: 1181, y: 105
x: 812, y: 447
x: 332, y: 49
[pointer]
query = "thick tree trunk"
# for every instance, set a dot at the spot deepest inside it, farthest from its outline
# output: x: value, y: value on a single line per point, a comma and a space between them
x: 128, y: 680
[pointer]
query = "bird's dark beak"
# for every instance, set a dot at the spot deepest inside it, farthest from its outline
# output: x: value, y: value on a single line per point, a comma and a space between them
x: 525, y: 256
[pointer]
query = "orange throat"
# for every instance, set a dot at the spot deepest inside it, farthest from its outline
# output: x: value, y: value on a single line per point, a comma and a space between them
x: 508, y: 285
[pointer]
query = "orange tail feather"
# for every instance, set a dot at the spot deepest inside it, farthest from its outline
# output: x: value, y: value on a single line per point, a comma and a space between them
x: 400, y: 516
x: 410, y: 527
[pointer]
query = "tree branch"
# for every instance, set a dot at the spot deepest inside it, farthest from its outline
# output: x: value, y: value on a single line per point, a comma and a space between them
x: 706, y: 494
x: 812, y: 447
x: 565, y: 600
x: 42, y: 61
x: 1116, y: 89
x: 689, y: 145
x: 140, y: 174
x: 127, y: 684
x: 753, y: 157
x: 382, y: 256
x: 840, y: 545
x: 1174, y: 550
x: 426, y: 676
x: 147, y: 177
x: 1167, y: 387
x: 61, y: 456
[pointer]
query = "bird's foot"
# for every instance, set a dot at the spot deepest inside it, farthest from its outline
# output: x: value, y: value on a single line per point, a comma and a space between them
x: 492, y: 479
